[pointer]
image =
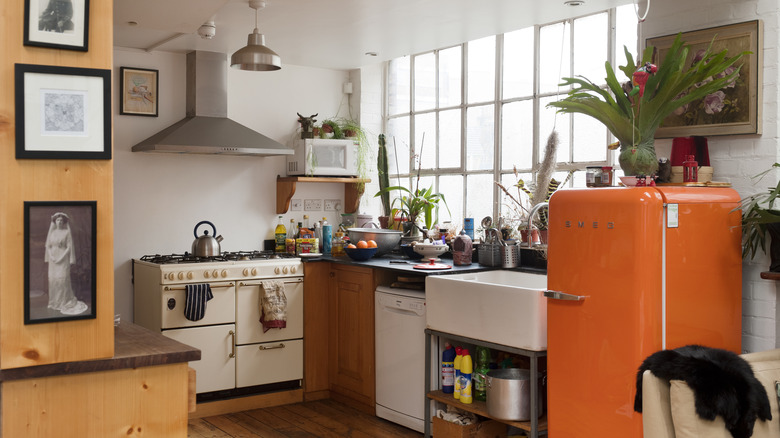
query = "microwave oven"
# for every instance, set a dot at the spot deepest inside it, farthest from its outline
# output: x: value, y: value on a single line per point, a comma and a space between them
x: 323, y: 157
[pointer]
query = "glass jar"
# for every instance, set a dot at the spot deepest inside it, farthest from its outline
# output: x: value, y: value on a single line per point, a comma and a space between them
x: 606, y: 176
x: 593, y: 176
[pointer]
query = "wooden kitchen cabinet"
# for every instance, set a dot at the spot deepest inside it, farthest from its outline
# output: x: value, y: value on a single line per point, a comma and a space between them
x: 351, y: 331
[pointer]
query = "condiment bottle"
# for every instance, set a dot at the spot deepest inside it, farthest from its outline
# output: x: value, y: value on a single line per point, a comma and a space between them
x: 280, y: 235
x: 289, y: 242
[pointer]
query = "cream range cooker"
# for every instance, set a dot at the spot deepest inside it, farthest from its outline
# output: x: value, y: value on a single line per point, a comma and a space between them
x: 236, y: 356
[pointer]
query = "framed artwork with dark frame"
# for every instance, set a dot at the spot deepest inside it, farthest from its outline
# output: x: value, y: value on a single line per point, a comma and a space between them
x: 60, y: 260
x: 57, y: 24
x: 138, y: 91
x: 62, y: 112
x: 734, y: 109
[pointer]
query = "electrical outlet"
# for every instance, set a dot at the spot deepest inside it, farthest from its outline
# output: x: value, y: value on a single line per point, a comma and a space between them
x: 296, y: 205
x: 332, y: 204
x: 312, y: 204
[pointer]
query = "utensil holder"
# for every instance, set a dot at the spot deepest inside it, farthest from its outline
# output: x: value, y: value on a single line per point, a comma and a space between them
x: 510, y: 256
x: 490, y: 254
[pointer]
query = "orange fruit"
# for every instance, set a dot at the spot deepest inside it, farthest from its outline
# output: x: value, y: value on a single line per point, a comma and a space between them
x: 371, y: 244
x: 351, y: 246
x: 362, y: 244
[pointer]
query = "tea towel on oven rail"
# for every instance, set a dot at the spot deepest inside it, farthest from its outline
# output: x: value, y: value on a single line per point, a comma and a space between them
x: 195, y: 298
x: 273, y: 305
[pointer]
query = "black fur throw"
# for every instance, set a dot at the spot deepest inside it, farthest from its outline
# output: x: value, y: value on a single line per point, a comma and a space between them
x: 722, y: 382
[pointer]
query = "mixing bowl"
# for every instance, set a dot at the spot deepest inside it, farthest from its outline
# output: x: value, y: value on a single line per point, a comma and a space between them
x: 386, y: 240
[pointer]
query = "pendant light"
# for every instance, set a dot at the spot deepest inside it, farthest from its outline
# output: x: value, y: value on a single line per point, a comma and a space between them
x: 256, y: 56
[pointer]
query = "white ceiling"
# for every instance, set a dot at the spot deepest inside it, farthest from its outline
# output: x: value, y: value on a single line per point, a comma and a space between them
x: 334, y: 34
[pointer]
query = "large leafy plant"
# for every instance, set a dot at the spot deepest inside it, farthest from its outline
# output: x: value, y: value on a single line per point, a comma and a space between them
x: 635, y: 114
x: 758, y: 212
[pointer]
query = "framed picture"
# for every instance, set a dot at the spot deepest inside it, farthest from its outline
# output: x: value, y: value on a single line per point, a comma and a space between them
x: 57, y: 24
x: 59, y: 261
x: 734, y: 109
x: 138, y: 95
x: 63, y: 112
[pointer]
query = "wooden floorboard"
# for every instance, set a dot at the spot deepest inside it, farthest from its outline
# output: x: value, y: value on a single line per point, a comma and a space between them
x: 320, y: 418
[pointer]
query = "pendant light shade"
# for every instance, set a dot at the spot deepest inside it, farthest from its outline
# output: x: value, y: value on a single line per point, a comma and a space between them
x: 256, y: 56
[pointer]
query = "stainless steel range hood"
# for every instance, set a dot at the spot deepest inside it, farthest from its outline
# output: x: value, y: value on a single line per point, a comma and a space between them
x: 206, y: 129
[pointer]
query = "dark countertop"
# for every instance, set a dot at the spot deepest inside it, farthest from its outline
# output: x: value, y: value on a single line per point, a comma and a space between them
x: 134, y: 347
x: 401, y: 264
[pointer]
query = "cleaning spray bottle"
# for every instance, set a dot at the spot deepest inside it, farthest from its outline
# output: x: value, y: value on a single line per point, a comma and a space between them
x: 466, y: 386
x: 448, y: 370
x: 458, y: 359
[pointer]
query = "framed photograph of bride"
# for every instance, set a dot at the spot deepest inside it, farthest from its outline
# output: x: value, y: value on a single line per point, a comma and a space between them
x: 59, y: 260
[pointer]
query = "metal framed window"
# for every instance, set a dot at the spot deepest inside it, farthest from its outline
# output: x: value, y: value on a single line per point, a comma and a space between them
x: 460, y: 118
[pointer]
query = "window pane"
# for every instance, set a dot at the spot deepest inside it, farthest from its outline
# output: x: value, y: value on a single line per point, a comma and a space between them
x: 479, y: 197
x: 517, y: 135
x: 424, y: 82
x: 590, y: 46
x: 482, y: 70
x: 590, y: 139
x: 625, y: 35
x: 398, y: 145
x: 518, y: 63
x: 451, y: 186
x: 449, y: 138
x: 547, y: 119
x: 554, y: 55
x: 514, y: 209
x: 398, y: 87
x: 450, y: 76
x: 425, y: 139
x: 479, y: 137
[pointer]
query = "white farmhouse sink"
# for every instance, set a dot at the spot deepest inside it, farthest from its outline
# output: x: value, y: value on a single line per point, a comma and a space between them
x: 504, y: 307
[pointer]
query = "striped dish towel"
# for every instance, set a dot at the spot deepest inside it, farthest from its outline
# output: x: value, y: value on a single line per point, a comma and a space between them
x: 195, y: 298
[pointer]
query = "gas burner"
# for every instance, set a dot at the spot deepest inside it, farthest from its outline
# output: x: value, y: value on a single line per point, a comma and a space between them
x: 168, y: 259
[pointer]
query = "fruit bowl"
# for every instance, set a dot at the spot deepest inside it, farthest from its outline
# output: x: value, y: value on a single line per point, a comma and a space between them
x: 360, y: 254
x: 429, y: 250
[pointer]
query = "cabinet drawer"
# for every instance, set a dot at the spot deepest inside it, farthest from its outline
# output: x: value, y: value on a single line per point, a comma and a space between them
x: 250, y: 331
x: 260, y: 364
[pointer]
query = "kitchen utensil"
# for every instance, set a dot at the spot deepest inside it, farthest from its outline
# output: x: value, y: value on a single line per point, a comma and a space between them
x: 205, y: 245
x: 509, y: 394
x: 386, y: 240
x: 510, y: 255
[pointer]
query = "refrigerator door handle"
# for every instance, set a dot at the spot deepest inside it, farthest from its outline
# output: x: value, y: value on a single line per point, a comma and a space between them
x: 557, y: 295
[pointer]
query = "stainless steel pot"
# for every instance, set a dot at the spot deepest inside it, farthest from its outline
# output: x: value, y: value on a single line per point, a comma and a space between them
x: 509, y: 394
x: 205, y: 245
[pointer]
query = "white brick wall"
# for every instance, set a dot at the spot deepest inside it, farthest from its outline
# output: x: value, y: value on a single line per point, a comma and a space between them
x: 737, y: 158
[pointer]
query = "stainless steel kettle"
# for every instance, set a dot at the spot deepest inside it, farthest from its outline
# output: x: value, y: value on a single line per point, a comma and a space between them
x: 205, y: 245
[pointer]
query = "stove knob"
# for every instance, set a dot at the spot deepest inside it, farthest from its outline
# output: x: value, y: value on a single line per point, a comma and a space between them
x: 277, y: 270
x: 224, y: 273
x: 181, y: 275
x: 245, y: 272
x: 189, y: 275
x: 285, y: 269
x: 215, y: 273
x: 293, y: 270
x: 206, y: 274
x: 254, y: 272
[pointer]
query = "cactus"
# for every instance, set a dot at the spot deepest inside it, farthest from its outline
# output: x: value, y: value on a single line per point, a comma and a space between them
x: 384, y: 177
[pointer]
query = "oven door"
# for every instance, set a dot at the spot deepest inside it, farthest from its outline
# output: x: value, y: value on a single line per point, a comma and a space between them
x: 219, y: 310
x: 216, y: 369
x: 248, y: 325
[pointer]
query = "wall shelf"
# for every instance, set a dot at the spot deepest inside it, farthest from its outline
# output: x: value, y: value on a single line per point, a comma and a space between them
x: 285, y: 190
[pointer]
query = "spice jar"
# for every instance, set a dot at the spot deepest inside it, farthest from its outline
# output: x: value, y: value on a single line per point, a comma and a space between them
x: 606, y: 176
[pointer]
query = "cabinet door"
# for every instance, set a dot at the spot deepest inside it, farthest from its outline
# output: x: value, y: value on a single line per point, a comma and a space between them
x: 352, y: 370
x: 216, y: 369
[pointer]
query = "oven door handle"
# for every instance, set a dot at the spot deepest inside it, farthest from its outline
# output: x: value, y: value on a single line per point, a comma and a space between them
x: 259, y: 282
x: 232, y: 344
x: 213, y: 286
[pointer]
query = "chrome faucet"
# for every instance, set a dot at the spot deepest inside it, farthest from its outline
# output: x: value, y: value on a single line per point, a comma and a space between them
x: 531, y: 214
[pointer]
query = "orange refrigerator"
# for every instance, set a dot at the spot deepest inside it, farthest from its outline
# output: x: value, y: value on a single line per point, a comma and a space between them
x: 632, y: 271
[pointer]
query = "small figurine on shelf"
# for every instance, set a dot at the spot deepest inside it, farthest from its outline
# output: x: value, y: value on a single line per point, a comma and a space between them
x: 307, y: 125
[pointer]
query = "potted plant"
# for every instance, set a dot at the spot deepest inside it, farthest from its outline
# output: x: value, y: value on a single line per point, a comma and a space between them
x: 633, y: 111
x: 759, y: 217
x: 384, y: 182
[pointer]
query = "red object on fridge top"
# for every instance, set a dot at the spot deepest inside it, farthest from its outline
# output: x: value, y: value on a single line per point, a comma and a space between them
x: 632, y: 271
x: 684, y: 146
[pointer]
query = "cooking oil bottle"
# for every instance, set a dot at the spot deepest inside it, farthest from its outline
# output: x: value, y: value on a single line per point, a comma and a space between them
x: 280, y: 234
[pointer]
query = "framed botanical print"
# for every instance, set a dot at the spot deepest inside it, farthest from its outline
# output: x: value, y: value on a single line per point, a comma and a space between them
x: 63, y: 112
x: 734, y: 109
x: 57, y: 24
x: 60, y: 241
x: 138, y: 95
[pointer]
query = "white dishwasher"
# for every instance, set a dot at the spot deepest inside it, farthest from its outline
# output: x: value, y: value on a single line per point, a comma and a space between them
x: 400, y: 356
